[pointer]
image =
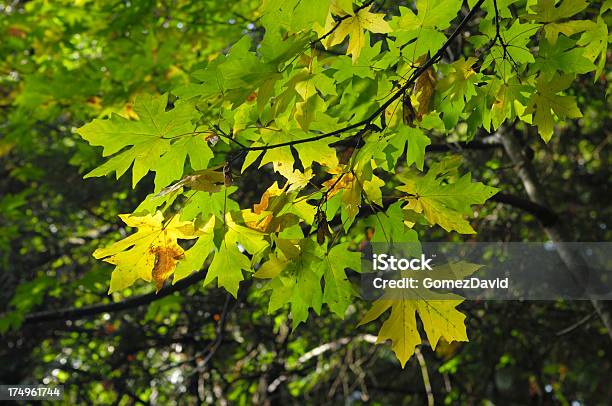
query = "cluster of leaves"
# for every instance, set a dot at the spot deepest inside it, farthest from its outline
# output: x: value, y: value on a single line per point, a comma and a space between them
x: 341, y: 101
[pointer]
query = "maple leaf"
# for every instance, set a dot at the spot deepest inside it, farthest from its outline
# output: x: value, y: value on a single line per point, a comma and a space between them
x: 437, y: 312
x: 554, y: 17
x: 546, y: 101
x: 281, y: 209
x: 444, y: 204
x: 516, y: 50
x: 456, y: 88
x: 294, y: 14
x: 415, y: 140
x: 389, y: 227
x: 227, y: 266
x: 421, y: 33
x: 147, y: 139
x: 431, y: 14
x: 149, y: 254
x: 229, y: 261
x: 547, y: 11
x: 564, y: 57
x: 351, y: 189
x: 195, y: 256
x: 595, y: 41
x: 282, y: 158
x: 317, y: 151
x: 568, y: 28
x: 355, y: 26
x: 295, y: 272
x: 440, y: 319
x: 510, y: 101
x: 459, y: 83
x: 338, y: 289
x: 171, y: 165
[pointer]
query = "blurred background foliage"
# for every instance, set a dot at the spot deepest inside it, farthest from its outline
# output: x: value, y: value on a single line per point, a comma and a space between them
x: 63, y: 63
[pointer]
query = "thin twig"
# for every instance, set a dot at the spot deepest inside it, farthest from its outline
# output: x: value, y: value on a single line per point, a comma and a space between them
x: 425, y: 374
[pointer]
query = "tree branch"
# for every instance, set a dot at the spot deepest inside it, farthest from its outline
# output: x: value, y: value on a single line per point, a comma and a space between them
x: 483, y: 144
x: 458, y: 146
x: 544, y: 215
x: 129, y: 303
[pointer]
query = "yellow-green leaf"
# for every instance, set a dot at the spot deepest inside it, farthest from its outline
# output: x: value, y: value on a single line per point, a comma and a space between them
x: 149, y: 254
x: 355, y: 27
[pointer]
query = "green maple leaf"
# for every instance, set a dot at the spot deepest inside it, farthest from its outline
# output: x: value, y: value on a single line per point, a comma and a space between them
x: 595, y: 41
x: 547, y: 11
x: 415, y: 140
x: 295, y: 272
x: 345, y: 69
x: 252, y: 240
x: 317, y: 151
x: 227, y: 266
x: 516, y: 38
x: 168, y: 168
x: 389, y: 227
x: 196, y: 256
x: 338, y: 289
x: 282, y: 158
x: 209, y: 204
x: 360, y: 182
x: 294, y: 15
x: 234, y: 76
x: 459, y: 83
x: 563, y: 56
x: 229, y: 262
x: 457, y: 87
x: 546, y: 101
x: 430, y: 14
x: 444, y: 204
x: 423, y: 32
x: 511, y: 100
x: 554, y: 15
x: 142, y: 142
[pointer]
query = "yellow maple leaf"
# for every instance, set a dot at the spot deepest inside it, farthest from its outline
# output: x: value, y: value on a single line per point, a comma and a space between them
x: 149, y: 254
x: 355, y: 26
x: 440, y: 319
x: 437, y: 311
x: 297, y: 179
